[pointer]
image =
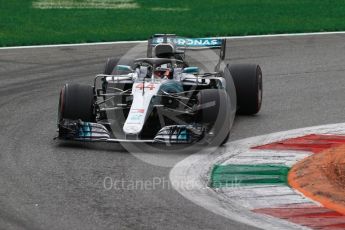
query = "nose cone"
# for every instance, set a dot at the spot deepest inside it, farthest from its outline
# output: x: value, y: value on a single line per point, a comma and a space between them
x: 141, y: 107
x: 132, y: 129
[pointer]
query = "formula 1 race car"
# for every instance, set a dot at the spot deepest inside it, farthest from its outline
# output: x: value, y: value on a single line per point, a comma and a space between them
x: 163, y: 97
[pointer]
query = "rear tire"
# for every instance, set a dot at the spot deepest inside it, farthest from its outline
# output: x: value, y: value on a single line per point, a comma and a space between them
x: 76, y: 102
x: 110, y: 65
x: 248, y: 83
x: 113, y: 62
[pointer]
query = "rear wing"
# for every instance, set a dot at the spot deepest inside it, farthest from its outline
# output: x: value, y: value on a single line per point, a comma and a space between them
x: 187, y: 43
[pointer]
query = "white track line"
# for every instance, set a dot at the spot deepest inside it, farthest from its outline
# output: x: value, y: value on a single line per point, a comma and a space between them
x: 130, y: 42
x: 190, y: 177
x: 70, y: 45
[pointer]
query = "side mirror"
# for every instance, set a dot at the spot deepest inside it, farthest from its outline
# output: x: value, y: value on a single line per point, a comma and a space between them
x: 191, y: 70
x: 124, y: 68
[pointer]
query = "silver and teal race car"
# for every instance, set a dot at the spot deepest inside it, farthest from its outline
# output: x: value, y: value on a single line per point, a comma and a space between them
x: 176, y: 93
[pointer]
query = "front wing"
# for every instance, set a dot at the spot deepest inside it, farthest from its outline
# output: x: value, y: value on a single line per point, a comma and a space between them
x: 78, y: 130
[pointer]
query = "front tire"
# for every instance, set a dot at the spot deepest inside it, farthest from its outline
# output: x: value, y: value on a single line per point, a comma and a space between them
x: 76, y: 102
x: 214, y: 110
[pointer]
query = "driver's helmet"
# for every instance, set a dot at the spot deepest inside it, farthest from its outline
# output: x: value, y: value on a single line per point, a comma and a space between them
x: 163, y: 73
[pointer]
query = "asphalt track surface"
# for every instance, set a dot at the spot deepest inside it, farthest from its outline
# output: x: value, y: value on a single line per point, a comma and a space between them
x: 46, y: 184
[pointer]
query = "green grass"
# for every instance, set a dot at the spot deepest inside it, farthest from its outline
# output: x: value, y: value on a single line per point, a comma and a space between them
x: 20, y: 24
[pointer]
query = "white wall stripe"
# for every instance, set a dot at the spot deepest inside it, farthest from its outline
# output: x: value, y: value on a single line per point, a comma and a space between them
x: 141, y: 41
